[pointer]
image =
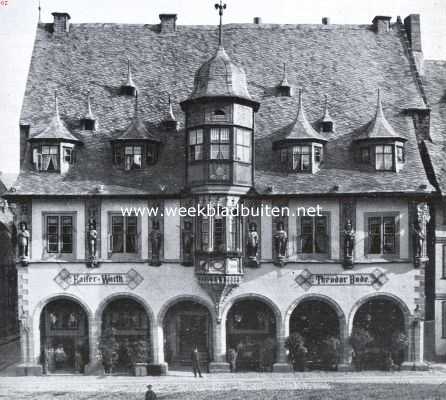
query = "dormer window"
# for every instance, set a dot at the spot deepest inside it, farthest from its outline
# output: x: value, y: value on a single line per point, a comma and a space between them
x: 46, y: 158
x: 89, y: 125
x: 284, y: 88
x: 133, y: 157
x: 327, y: 126
x: 384, y: 158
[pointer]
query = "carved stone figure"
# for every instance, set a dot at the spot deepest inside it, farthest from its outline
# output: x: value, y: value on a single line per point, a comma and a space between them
x: 349, y: 243
x: 280, y: 243
x: 92, y: 243
x: 419, y: 239
x: 156, y: 240
x: 23, y: 238
x: 252, y: 245
x: 188, y: 243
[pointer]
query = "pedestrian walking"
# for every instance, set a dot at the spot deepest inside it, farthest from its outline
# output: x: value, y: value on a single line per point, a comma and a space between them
x: 196, y: 362
x: 150, y: 394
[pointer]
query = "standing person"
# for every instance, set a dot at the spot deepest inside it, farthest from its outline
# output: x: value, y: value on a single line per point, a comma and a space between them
x: 44, y: 361
x: 150, y: 394
x: 232, y: 358
x: 196, y: 362
x: 78, y: 362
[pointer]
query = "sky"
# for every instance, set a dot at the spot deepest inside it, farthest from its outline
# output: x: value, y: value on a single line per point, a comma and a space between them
x: 18, y: 19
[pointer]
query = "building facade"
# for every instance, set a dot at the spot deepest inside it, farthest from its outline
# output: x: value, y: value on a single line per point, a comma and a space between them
x: 313, y: 128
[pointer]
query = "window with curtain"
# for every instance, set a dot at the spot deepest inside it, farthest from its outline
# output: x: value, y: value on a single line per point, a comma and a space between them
x: 219, y: 144
x: 196, y: 145
x: 384, y: 157
x: 301, y: 158
x: 382, y: 235
x: 50, y: 158
x: 59, y: 233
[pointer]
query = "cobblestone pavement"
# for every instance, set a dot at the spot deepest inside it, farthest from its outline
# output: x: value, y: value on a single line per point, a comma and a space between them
x: 178, y: 382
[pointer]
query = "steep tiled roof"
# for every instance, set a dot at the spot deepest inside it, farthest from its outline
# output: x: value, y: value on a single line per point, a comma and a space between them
x: 346, y: 62
x: 435, y: 87
x: 379, y: 127
x: 301, y: 129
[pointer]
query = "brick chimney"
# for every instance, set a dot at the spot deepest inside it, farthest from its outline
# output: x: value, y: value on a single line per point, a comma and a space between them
x: 257, y: 20
x: 413, y: 30
x: 325, y: 21
x: 168, y: 23
x: 381, y: 24
x: 61, y: 23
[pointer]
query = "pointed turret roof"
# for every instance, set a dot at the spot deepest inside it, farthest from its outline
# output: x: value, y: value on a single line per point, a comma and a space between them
x: 284, y: 82
x: 129, y: 82
x: 379, y: 127
x: 89, y: 114
x: 326, y: 117
x: 169, y: 116
x: 301, y: 129
x: 56, y: 129
x: 137, y: 130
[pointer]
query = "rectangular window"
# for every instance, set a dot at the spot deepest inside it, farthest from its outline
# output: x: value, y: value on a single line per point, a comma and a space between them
x: 219, y: 144
x: 384, y: 157
x: 314, y: 235
x: 301, y: 158
x: 318, y: 154
x: 196, y: 145
x: 365, y: 155
x: 117, y: 154
x: 59, y: 234
x: 124, y: 234
x: 49, y: 158
x: 204, y: 233
x: 242, y: 145
x: 133, y: 157
x: 219, y: 234
x: 400, y: 156
x: 68, y: 155
x: 382, y: 235
x: 151, y: 153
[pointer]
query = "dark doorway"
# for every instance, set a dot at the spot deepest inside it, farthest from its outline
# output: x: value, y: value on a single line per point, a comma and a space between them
x: 318, y: 325
x: 64, y: 337
x: 187, y: 324
x: 379, y: 338
x: 251, y: 332
x: 125, y: 326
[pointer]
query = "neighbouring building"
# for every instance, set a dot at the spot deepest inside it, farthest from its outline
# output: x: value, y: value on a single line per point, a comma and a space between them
x: 261, y: 115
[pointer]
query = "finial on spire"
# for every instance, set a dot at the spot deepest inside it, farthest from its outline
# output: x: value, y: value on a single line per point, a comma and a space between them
x: 379, y: 106
x: 220, y: 7
x: 171, y: 116
x: 89, y: 112
x: 56, y: 105
x: 284, y: 82
x: 40, y: 12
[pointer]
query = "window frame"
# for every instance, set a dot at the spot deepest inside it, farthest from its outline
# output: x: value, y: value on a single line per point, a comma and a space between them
x: 39, y: 156
x: 383, y: 154
x: 59, y: 235
x: 328, y: 237
x: 396, y: 234
x: 132, y: 155
x: 125, y: 227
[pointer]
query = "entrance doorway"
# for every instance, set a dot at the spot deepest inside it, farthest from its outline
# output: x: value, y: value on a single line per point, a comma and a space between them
x: 125, y: 335
x: 379, y: 338
x: 187, y: 324
x: 317, y: 323
x: 64, y: 337
x: 251, y: 332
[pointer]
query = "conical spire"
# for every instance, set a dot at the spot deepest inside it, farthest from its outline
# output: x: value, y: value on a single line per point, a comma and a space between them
x: 301, y: 129
x: 327, y: 116
x: 129, y: 82
x: 284, y: 82
x: 89, y: 114
x: 379, y: 127
x: 170, y: 116
x: 56, y: 130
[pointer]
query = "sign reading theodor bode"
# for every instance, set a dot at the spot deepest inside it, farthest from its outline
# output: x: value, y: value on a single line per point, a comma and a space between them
x: 65, y: 279
x: 376, y: 278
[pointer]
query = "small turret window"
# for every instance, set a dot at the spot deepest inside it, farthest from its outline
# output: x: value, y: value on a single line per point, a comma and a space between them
x: 219, y: 144
x: 400, y: 156
x: 133, y: 157
x: 318, y: 154
x: 384, y: 157
x: 68, y: 155
x: 89, y: 124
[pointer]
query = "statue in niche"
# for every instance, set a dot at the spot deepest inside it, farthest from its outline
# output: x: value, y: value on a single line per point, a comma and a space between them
x: 92, y: 243
x: 156, y: 240
x: 188, y: 243
x: 349, y: 243
x: 23, y: 238
x: 280, y: 243
x: 419, y: 239
x: 252, y: 245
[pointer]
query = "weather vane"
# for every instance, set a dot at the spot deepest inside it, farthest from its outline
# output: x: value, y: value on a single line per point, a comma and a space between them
x: 220, y: 7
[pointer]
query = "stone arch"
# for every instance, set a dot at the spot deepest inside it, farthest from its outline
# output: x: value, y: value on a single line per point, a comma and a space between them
x: 186, y: 297
x: 376, y: 296
x: 316, y: 297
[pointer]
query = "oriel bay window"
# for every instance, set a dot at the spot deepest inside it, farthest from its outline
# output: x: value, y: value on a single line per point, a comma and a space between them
x: 382, y: 235
x: 59, y: 233
x: 219, y: 234
x: 123, y: 236
x: 314, y: 237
